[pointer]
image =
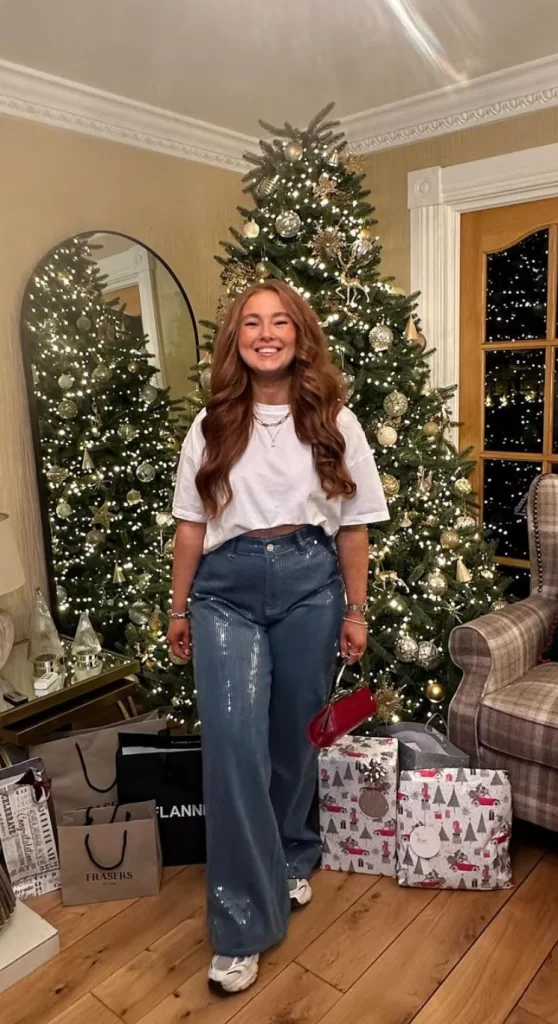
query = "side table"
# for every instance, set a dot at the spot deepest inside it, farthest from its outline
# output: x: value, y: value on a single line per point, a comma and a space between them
x: 80, y: 693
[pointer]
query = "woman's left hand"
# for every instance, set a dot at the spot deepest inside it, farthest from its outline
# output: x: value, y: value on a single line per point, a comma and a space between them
x: 354, y: 634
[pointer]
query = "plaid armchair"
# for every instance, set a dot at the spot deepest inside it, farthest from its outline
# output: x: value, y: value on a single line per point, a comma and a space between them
x: 505, y: 711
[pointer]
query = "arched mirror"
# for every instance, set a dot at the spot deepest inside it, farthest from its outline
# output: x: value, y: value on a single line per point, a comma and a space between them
x: 109, y: 341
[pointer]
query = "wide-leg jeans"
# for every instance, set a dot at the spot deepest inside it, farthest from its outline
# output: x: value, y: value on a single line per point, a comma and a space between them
x: 266, y: 617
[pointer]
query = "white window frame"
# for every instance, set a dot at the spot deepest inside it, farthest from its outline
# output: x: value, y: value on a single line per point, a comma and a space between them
x: 437, y: 196
x: 124, y: 270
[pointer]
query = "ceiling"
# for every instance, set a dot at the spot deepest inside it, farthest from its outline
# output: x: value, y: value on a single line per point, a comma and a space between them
x: 230, y: 62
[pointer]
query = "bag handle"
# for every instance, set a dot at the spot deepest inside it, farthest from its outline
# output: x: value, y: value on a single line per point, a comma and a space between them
x: 335, y: 684
x: 90, y: 821
x: 86, y: 776
x: 107, y: 867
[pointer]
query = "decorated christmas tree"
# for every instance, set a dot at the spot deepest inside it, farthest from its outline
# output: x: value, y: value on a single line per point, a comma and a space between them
x: 308, y: 221
x: 108, y: 442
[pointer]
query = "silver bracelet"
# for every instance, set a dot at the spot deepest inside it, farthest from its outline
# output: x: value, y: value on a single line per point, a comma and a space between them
x: 356, y: 622
x: 179, y: 615
x: 358, y: 607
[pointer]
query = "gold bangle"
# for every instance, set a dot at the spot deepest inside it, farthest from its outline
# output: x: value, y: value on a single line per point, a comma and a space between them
x: 356, y: 622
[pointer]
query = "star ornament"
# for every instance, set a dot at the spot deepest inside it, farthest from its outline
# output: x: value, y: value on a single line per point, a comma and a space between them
x: 102, y: 515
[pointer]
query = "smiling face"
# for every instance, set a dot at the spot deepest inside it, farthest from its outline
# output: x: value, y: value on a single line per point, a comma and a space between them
x: 267, y: 336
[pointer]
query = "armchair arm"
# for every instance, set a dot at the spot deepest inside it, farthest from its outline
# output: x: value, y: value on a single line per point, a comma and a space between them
x: 493, y: 652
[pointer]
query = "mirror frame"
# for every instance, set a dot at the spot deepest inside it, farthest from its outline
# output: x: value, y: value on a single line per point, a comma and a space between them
x: 32, y: 403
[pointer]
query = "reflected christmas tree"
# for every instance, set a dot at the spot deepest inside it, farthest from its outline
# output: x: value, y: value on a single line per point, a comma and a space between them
x: 109, y: 442
x: 309, y: 223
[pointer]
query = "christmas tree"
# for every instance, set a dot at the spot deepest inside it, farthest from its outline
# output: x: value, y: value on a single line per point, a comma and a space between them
x: 109, y: 442
x: 310, y: 223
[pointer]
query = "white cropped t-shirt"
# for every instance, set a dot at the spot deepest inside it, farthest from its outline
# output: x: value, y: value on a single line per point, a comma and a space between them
x: 275, y: 486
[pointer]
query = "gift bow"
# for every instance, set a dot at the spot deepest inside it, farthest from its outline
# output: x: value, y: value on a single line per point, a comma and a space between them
x: 40, y: 786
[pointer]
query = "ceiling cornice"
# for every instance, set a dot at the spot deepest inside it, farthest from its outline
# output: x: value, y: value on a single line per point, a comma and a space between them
x: 37, y: 96
x: 31, y: 94
x: 519, y: 90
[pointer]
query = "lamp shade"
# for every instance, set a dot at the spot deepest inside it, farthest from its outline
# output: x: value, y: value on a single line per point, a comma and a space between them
x: 11, y: 569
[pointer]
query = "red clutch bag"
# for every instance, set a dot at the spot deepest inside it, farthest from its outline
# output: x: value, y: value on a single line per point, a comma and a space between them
x: 344, y: 711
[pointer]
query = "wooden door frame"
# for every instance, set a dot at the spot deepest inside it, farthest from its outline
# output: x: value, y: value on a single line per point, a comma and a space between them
x: 437, y: 197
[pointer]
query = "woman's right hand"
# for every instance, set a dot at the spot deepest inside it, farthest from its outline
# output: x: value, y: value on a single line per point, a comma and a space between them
x: 179, y: 637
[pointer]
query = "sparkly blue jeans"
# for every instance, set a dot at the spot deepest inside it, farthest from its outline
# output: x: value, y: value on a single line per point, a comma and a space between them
x: 266, y: 618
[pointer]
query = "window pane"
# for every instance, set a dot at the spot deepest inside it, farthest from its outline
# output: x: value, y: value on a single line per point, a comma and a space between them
x: 516, y: 281
x: 514, y: 400
x: 506, y: 485
x: 520, y: 586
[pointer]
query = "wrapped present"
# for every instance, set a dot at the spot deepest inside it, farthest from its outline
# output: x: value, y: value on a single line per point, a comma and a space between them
x: 454, y: 828
x: 358, y: 791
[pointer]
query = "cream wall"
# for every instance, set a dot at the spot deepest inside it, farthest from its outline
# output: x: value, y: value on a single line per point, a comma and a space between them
x: 387, y: 173
x: 53, y: 184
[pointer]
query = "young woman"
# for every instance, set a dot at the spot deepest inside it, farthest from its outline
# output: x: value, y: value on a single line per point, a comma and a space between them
x: 270, y: 473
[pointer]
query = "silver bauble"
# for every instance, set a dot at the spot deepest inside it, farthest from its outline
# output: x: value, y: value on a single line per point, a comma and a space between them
x: 61, y: 594
x: 406, y: 648
x: 381, y: 337
x: 428, y: 654
x: 360, y: 248
x: 266, y: 187
x: 462, y: 487
x: 465, y: 522
x: 66, y: 381
x: 349, y: 382
x: 387, y: 435
x: 396, y: 404
x: 145, y: 472
x: 251, y: 229
x: 164, y: 519
x: 101, y: 373
x: 293, y: 151
x: 205, y: 378
x: 83, y: 323
x: 149, y: 393
x: 126, y: 431
x: 288, y: 223
x: 64, y: 510
x: 133, y: 497
x: 436, y: 583
x: 139, y: 613
x: 67, y: 409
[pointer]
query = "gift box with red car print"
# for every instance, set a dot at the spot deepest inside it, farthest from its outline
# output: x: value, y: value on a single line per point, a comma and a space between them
x: 358, y: 792
x: 454, y: 828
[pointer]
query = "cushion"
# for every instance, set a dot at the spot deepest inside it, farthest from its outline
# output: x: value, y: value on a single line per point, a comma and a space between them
x: 522, y: 719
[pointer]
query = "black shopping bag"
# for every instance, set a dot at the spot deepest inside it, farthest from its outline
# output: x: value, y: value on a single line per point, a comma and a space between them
x: 169, y: 771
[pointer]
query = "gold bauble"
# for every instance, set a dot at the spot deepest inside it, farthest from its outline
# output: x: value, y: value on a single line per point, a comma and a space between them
x: 462, y: 487
x: 450, y: 539
x: 133, y: 497
x: 262, y: 269
x: 465, y: 522
x: 293, y: 151
x: 436, y: 583
x: 390, y: 484
x: 387, y: 435
x: 436, y: 692
x: 431, y: 521
x: 431, y: 428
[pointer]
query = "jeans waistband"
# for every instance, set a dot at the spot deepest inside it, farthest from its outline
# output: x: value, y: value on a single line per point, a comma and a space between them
x: 280, y: 543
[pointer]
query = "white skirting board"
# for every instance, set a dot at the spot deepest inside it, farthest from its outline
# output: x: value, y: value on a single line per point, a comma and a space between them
x: 26, y: 943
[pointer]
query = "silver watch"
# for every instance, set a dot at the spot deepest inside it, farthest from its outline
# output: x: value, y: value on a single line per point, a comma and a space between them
x: 358, y: 608
x: 179, y: 615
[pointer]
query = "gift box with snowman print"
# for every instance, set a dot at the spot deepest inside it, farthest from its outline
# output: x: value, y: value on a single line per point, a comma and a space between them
x: 358, y: 797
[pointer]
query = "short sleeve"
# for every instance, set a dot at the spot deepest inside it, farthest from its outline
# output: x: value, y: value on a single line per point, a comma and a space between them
x: 369, y: 503
x: 187, y: 503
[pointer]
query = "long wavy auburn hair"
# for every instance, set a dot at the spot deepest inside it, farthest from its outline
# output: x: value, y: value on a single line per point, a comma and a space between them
x: 317, y: 393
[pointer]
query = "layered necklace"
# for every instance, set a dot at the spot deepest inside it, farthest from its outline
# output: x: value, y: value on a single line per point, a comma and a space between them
x: 272, y: 429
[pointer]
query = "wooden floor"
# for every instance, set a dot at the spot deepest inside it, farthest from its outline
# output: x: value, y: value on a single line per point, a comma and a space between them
x: 363, y: 951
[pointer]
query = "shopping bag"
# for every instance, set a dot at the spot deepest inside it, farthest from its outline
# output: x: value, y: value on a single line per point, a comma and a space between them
x: 27, y: 831
x: 82, y: 764
x: 423, y: 746
x: 109, y: 853
x: 454, y: 828
x: 358, y: 789
x: 169, y: 771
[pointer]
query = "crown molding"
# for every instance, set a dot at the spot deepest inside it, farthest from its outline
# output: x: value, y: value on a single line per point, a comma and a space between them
x: 61, y: 103
x: 37, y: 96
x: 502, y: 94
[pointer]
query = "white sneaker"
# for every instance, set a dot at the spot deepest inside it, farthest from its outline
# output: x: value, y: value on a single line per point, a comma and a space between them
x: 300, y: 892
x: 233, y: 973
